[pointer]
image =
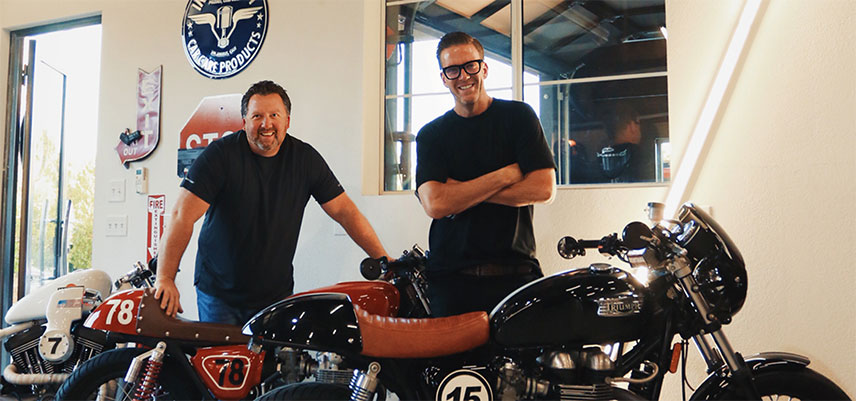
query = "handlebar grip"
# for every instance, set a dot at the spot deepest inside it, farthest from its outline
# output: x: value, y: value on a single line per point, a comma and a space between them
x: 569, y: 247
x: 589, y: 244
x: 153, y: 264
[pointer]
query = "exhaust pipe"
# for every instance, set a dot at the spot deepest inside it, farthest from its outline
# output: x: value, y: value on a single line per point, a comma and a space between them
x: 12, y: 376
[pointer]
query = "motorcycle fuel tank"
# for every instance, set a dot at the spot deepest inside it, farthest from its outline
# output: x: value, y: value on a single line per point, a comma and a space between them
x: 323, y: 321
x: 375, y: 297
x: 32, y: 306
x: 598, y: 304
x: 118, y: 313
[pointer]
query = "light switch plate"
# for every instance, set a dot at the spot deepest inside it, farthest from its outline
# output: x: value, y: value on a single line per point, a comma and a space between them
x: 117, y: 226
x: 117, y: 190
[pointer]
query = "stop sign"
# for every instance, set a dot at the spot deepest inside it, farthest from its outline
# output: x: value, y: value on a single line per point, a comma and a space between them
x: 214, y: 117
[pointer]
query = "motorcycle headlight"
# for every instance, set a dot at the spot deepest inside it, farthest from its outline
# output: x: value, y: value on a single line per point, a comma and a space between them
x: 723, y: 287
x: 719, y: 267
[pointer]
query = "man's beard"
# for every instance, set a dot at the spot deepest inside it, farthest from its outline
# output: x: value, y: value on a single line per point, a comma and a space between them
x: 265, y: 147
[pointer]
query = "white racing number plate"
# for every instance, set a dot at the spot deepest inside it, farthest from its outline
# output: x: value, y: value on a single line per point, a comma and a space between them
x: 464, y: 385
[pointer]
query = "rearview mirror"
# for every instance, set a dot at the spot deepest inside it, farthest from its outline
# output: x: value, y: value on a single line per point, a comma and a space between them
x: 636, y: 235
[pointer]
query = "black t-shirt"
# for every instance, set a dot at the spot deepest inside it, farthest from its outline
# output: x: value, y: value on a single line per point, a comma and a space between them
x: 640, y: 165
x: 250, y: 231
x: 461, y: 148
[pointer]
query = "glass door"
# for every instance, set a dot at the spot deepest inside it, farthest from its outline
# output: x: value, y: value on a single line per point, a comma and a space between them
x: 48, y: 179
x: 42, y: 211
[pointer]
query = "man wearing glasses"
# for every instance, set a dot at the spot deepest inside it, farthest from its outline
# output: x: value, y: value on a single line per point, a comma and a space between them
x: 481, y: 167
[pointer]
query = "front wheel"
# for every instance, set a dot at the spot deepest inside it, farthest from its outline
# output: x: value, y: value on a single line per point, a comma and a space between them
x: 102, y: 378
x: 308, y: 391
x: 798, y: 384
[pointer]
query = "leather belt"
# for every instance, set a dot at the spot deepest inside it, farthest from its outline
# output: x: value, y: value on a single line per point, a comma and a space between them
x: 495, y: 270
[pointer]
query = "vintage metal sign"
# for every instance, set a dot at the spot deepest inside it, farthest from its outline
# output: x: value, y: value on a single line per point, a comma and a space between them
x: 222, y: 37
x: 214, y: 117
x: 156, y: 206
x: 148, y: 118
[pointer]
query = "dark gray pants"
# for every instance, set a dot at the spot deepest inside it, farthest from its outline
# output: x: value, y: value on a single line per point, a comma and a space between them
x: 453, y: 294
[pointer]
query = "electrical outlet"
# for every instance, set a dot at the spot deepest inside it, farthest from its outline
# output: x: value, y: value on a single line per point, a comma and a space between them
x: 117, y: 226
x: 117, y: 190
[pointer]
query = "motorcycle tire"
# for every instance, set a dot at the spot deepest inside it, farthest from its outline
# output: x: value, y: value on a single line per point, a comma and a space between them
x: 803, y: 384
x: 308, y: 391
x: 110, y: 368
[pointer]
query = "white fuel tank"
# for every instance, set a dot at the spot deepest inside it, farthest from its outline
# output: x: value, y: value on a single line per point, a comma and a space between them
x: 32, y: 306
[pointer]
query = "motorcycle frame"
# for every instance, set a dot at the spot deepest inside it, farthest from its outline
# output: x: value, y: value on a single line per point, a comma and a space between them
x: 175, y: 354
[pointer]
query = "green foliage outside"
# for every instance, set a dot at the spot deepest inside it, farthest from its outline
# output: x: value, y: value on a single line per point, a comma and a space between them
x: 81, y: 191
x: 79, y: 188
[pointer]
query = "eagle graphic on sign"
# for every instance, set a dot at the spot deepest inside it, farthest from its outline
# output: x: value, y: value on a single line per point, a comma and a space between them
x: 225, y: 20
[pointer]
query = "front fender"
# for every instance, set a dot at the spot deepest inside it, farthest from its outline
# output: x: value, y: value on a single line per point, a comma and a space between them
x: 717, y: 382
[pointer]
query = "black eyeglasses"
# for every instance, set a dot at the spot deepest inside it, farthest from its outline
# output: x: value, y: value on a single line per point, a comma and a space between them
x: 471, y: 67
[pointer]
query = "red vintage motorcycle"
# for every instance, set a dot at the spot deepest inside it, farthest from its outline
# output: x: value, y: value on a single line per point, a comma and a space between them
x: 46, y: 338
x: 174, y: 358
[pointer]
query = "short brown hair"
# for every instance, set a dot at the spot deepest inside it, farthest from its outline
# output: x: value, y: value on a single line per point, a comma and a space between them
x: 620, y: 116
x: 457, y: 38
x: 264, y: 88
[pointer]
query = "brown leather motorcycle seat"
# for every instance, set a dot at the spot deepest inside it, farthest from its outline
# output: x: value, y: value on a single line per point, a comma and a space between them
x: 152, y: 321
x: 390, y: 337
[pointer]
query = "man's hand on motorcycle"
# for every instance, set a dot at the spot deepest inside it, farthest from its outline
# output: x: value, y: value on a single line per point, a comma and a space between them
x: 169, y: 296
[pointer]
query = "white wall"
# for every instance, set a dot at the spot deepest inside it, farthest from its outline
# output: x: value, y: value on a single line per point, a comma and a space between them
x: 777, y: 170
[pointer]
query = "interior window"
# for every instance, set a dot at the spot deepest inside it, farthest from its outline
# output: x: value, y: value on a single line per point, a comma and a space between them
x: 594, y: 72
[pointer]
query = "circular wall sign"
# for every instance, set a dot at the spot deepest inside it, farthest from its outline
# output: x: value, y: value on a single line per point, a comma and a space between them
x: 222, y: 37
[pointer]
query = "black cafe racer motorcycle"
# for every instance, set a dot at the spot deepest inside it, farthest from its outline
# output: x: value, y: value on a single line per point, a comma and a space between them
x: 595, y: 333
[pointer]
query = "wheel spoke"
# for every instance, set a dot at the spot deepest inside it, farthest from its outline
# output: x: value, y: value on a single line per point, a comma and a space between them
x: 114, y: 390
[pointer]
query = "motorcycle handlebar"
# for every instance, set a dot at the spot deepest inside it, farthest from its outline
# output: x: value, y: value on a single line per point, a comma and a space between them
x: 569, y: 247
x: 137, y: 277
x: 372, y: 269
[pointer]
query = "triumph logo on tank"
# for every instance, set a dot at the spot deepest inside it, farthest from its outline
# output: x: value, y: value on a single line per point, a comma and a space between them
x: 222, y: 37
x: 617, y: 307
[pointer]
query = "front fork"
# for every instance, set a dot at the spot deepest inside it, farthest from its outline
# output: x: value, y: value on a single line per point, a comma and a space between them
x: 741, y: 375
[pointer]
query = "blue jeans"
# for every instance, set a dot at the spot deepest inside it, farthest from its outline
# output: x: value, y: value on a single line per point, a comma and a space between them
x: 214, y: 310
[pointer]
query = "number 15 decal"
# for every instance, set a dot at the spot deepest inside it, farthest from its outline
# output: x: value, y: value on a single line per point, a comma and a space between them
x: 464, y: 385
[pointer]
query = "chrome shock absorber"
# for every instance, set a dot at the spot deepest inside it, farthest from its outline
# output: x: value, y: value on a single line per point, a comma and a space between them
x: 148, y: 384
x: 363, y: 385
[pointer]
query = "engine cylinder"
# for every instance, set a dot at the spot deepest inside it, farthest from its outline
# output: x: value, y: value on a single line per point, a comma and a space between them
x: 24, y: 349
